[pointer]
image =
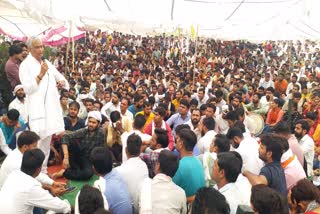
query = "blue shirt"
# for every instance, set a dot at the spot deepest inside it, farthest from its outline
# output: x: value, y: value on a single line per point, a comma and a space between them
x: 190, y: 175
x: 176, y: 120
x: 275, y: 176
x: 133, y: 110
x: 117, y: 194
x: 8, y: 131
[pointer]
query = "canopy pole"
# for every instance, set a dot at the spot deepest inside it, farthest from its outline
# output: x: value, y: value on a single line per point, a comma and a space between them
x: 195, y: 53
x: 72, y: 49
x: 68, y: 47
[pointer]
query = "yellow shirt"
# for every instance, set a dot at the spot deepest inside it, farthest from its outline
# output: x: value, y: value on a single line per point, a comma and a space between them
x: 148, y: 120
x: 176, y: 104
x: 306, y: 96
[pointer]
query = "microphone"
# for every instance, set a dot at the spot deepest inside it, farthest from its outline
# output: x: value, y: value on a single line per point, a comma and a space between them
x: 44, y: 61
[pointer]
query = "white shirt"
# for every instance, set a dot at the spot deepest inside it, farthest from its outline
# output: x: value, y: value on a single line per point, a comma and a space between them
x: 99, y: 184
x: 43, y: 104
x: 21, y: 192
x: 266, y: 84
x: 13, y: 163
x: 307, y: 146
x: 124, y: 138
x: 233, y: 195
x: 195, y: 130
x: 290, y: 87
x: 133, y: 172
x: 127, y: 114
x: 162, y: 195
x: 3, y: 145
x: 205, y: 142
x: 222, y: 124
x: 249, y: 151
x: 108, y: 108
x: 21, y: 107
x: 244, y: 186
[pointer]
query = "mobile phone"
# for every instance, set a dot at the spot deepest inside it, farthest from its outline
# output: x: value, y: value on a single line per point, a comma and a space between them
x: 70, y: 189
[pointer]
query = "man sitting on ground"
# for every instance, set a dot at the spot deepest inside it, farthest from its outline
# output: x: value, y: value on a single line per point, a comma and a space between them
x: 79, y: 144
x: 21, y: 192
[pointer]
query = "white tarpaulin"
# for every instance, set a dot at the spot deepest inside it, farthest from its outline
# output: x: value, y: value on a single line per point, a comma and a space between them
x: 225, y: 19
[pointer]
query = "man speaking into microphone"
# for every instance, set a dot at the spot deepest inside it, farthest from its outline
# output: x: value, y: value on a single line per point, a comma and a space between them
x: 40, y: 79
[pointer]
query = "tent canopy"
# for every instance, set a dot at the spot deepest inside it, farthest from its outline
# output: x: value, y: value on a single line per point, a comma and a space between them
x: 224, y: 19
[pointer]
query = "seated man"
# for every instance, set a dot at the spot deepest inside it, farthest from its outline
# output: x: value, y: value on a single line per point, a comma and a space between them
x: 116, y: 191
x: 21, y: 192
x: 159, y: 142
x: 72, y: 122
x: 189, y: 176
x: 80, y: 143
x: 26, y: 141
x: 156, y: 193
x: 158, y: 122
x: 8, y: 123
x: 226, y: 170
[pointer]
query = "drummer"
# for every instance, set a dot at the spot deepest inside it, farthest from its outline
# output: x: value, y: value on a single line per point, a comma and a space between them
x: 255, y: 106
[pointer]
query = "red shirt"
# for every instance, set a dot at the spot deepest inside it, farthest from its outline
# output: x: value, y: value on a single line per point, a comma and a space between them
x: 148, y: 130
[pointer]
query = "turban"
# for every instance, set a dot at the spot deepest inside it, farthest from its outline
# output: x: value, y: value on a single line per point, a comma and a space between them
x: 95, y: 115
x: 17, y: 88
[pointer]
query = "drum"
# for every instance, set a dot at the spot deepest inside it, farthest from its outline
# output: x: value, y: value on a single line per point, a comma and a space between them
x: 258, y: 123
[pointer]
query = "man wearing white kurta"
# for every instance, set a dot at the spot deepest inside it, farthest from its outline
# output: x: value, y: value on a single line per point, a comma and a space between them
x: 40, y: 80
x: 21, y: 192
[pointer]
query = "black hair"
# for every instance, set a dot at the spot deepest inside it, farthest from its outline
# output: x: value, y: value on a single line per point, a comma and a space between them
x: 161, y: 111
x: 231, y: 165
x: 134, y: 143
x: 162, y: 137
x: 209, y: 123
x: 271, y: 141
x: 189, y: 138
x: 13, y: 114
x: 137, y: 98
x: 281, y: 127
x: 115, y: 116
x: 304, y: 125
x: 101, y: 159
x: 98, y: 102
x: 27, y: 138
x: 74, y: 104
x: 231, y: 115
x: 194, y: 101
x: 203, y: 202
x: 182, y: 126
x: 234, y: 132
x: 169, y: 163
x: 31, y: 161
x: 239, y: 112
x: 117, y: 94
x: 90, y: 199
x: 222, y: 143
x: 146, y: 104
x: 187, y: 93
x: 89, y: 100
x: 15, y: 49
x: 270, y: 89
x: 218, y: 93
x: 238, y: 124
x: 266, y: 200
x: 139, y: 121
x: 211, y: 105
x: 203, y: 107
x: 125, y: 98
x: 185, y: 103
x: 304, y: 190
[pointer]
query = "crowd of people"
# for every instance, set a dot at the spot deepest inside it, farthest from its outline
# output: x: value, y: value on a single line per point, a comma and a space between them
x: 170, y: 125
